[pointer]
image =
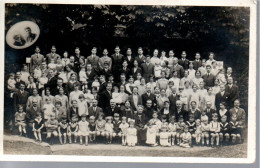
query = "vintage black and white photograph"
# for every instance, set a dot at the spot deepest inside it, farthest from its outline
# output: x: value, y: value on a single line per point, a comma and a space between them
x: 127, y: 80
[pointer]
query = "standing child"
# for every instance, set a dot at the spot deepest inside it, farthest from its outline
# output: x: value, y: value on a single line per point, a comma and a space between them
x: 151, y: 133
x: 83, y: 130
x: 180, y: 129
x: 109, y: 129
x: 157, y: 70
x: 20, y: 120
x: 214, y: 130
x: 82, y: 74
x: 164, y: 137
x: 95, y: 83
x: 191, y: 124
x: 92, y: 129
x: 100, y: 125
x: 185, y: 138
x: 172, y: 130
x: 38, y: 124
x: 62, y: 130
x: 131, y: 134
x: 205, y: 131
x: 224, y: 131
x: 198, y: 131
x: 73, y: 129
x: 124, y: 126
x: 82, y: 105
x: 235, y: 129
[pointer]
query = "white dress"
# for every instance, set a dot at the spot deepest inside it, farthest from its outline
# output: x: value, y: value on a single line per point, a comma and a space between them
x: 131, y: 137
x: 164, y: 139
x: 151, y: 135
x: 83, y: 128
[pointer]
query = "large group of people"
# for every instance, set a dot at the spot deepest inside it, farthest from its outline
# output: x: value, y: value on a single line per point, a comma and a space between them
x: 141, y: 100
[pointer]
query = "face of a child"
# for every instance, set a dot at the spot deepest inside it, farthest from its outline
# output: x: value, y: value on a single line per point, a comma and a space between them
x: 124, y: 121
x: 223, y: 119
x: 48, y: 101
x: 172, y: 121
x: 20, y: 109
x: 116, y: 118
x: 131, y: 125
x: 11, y: 76
x: 191, y: 119
x: 180, y: 120
x: 197, y: 122
x: 139, y: 76
x: 155, y: 115
x: 215, y: 119
x: 186, y: 130
x: 100, y: 117
x: 205, y: 122
x: 74, y: 104
x: 234, y: 119
x: 222, y: 106
x: 83, y: 118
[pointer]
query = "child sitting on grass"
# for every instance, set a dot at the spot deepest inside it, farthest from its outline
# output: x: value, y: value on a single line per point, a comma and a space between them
x: 151, y: 133
x: 205, y: 131
x: 100, y: 125
x: 198, y: 132
x: 180, y: 129
x: 20, y: 120
x: 235, y: 130
x: 51, y: 128
x: 92, y: 129
x: 164, y: 137
x: 224, y: 131
x: 214, y: 130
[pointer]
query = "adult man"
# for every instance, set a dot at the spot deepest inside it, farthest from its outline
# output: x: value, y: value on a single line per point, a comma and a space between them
x: 222, y: 96
x: 53, y: 55
x: 105, y: 60
x: 31, y: 113
x: 29, y: 35
x: 117, y: 60
x: 197, y: 62
x: 36, y: 59
x: 232, y: 89
x: 140, y: 58
x: 239, y: 112
x: 94, y: 110
x: 180, y: 111
x: 112, y: 109
x: 105, y: 97
x: 155, y: 59
x: 129, y: 59
x: 135, y: 99
x: 173, y: 98
x: 194, y: 110
x: 52, y: 79
x: 177, y: 67
x: 20, y: 97
x: 209, y: 78
x: 55, y: 89
x: 149, y: 110
x: 93, y: 59
x: 77, y: 55
x: 229, y: 74
x: 147, y: 69
x: 183, y: 61
x: 149, y: 96
x: 209, y: 110
x: 90, y: 72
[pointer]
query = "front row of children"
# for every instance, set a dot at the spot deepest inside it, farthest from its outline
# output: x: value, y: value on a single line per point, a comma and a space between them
x: 158, y: 132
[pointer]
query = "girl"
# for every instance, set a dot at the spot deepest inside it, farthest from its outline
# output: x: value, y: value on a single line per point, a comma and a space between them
x: 96, y: 83
x: 224, y: 131
x: 131, y: 134
x: 73, y: 128
x: 223, y: 111
x: 214, y: 130
x: 82, y: 105
x: 109, y: 129
x: 83, y: 130
x: 151, y: 133
x: 157, y: 70
x: 172, y: 130
x: 235, y: 129
x: 20, y: 120
x: 62, y: 130
x: 43, y: 80
x: 164, y: 122
x: 198, y: 131
x: 82, y: 74
x: 138, y: 79
x: 48, y: 109
x: 11, y: 83
x: 180, y: 129
x: 156, y: 122
x: 164, y: 137
x: 205, y: 127
x: 100, y: 125
x: 38, y: 124
x: 124, y: 126
x: 92, y: 129
x: 185, y: 138
x: 65, y: 60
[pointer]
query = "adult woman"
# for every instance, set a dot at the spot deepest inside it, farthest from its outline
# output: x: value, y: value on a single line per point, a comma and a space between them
x: 130, y: 85
x: 62, y: 98
x: 71, y: 82
x: 31, y: 85
x: 161, y: 98
x: 47, y: 94
x: 197, y: 78
x: 34, y: 96
x: 209, y: 97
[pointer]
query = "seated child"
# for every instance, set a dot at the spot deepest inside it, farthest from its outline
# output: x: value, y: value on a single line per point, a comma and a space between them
x: 63, y: 130
x: 235, y: 129
x: 204, y: 116
x: 180, y: 129
x: 92, y: 129
x: 198, y: 131
x: 42, y: 81
x: 164, y: 137
x: 109, y: 129
x: 214, y: 130
x: 73, y: 128
x: 83, y: 130
x: 48, y: 109
x: 82, y: 74
x: 20, y: 120
x: 185, y: 138
x: 191, y: 124
x: 100, y: 125
x: 131, y: 134
x: 172, y: 128
x: 37, y: 72
x: 123, y: 127
x: 151, y: 133
x: 205, y: 132
x: 11, y: 84
x: 164, y: 123
x: 51, y: 128
x: 116, y: 122
x: 38, y: 124
x: 158, y: 124
x: 224, y: 131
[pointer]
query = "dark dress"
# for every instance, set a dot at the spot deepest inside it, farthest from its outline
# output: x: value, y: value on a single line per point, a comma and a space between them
x: 37, y: 124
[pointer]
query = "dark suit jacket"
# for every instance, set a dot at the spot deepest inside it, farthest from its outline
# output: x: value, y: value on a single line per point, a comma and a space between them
x: 117, y: 61
x: 104, y: 99
x: 126, y: 72
x: 134, y: 74
x: 52, y: 83
x: 31, y: 114
x: 219, y: 98
x: 147, y: 70
x: 108, y: 111
x: 140, y: 121
x: 94, y: 62
x: 148, y: 112
x: 102, y: 87
x: 20, y: 99
x: 129, y: 62
x: 209, y: 80
x: 179, y: 69
x: 17, y: 84
x: 183, y: 112
x: 241, y: 115
x: 209, y: 114
x: 36, y: 61
x: 233, y: 92
x: 105, y: 73
x: 197, y: 114
x: 91, y: 75
x: 139, y: 101
x: 94, y: 113
x: 196, y: 64
x: 72, y: 113
x: 173, y: 100
x: 145, y: 97
x: 54, y: 91
x: 184, y: 64
x: 140, y: 60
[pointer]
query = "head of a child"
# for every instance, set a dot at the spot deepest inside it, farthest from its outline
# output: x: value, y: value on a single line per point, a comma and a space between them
x: 172, y: 119
x: 181, y: 120
x: 150, y: 124
x: 234, y: 118
x: 131, y: 124
x: 138, y: 76
x: 109, y: 119
x: 38, y: 116
x: 64, y: 120
x: 215, y: 117
x: 100, y: 116
x: 58, y: 104
x: 20, y: 108
x: 52, y: 117
x: 197, y: 122
x: 74, y: 119
x: 224, y: 119
x: 83, y: 118
x: 11, y: 76
x: 164, y: 118
x: 205, y: 121
x: 186, y: 129
x: 81, y: 97
x: 92, y: 119
x: 164, y: 129
x: 203, y: 112
x: 116, y: 117
x: 191, y: 118
x: 74, y: 103
x: 155, y: 115
x: 124, y: 119
x: 222, y: 105
x: 48, y: 100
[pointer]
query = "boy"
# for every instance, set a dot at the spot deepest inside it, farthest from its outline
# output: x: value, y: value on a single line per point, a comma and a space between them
x: 224, y: 131
x: 185, y: 138
x: 235, y: 129
x: 51, y: 128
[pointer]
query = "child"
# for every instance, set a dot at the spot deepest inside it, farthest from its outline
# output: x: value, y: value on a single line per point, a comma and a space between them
x: 185, y: 138
x: 83, y: 130
x: 157, y: 70
x: 223, y: 131
x: 38, y: 124
x: 65, y: 59
x: 151, y: 133
x: 92, y: 129
x: 124, y: 126
x: 164, y: 137
x: 214, y: 130
x: 48, y: 109
x: 82, y: 105
x: 180, y: 128
x: 37, y: 73
x: 116, y: 122
x: 100, y: 125
x: 95, y: 83
x: 205, y: 131
x: 191, y: 124
x: 172, y: 130
x: 164, y: 123
x: 11, y: 84
x: 131, y: 134
x: 204, y: 116
x: 109, y: 129
x: 42, y: 81
x: 157, y: 123
x: 20, y: 120
x: 235, y: 129
x: 82, y: 75
x: 51, y: 128
x: 223, y: 111
x: 63, y: 130
x: 198, y: 132
x: 73, y: 129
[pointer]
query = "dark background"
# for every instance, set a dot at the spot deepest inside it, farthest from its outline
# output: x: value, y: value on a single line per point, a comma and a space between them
x: 222, y: 30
